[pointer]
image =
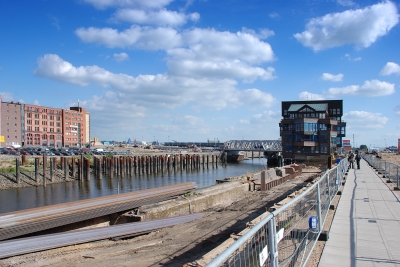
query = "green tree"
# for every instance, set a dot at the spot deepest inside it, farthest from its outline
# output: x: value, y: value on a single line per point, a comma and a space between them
x: 363, y: 147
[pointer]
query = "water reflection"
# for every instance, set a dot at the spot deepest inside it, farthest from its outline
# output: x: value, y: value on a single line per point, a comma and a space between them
x: 30, y: 197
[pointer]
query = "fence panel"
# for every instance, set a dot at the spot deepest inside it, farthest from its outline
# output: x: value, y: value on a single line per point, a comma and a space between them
x: 285, y: 237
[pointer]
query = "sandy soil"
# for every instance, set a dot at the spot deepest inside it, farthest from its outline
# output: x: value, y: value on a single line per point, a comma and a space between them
x: 174, y: 246
x: 184, y: 243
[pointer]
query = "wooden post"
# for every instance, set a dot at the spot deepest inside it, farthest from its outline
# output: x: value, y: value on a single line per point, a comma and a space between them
x: 17, y: 170
x: 36, y: 170
x: 44, y: 169
x: 263, y: 184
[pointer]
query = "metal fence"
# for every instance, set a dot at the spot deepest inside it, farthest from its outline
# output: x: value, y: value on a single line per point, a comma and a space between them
x: 287, y: 236
x: 390, y: 170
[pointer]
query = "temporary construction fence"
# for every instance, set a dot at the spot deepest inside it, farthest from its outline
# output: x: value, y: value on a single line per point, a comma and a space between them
x: 287, y: 236
x: 389, y: 170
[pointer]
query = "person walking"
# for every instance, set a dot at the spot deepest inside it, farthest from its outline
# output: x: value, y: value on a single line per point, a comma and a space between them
x: 358, y: 158
x: 350, y: 158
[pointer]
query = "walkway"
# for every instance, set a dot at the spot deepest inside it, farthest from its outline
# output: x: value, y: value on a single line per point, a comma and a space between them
x: 366, y: 227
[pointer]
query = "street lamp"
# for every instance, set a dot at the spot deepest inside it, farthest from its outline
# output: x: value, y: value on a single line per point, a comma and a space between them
x: 385, y: 143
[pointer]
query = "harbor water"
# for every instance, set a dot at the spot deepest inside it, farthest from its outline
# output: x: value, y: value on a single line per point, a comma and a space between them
x: 31, y: 197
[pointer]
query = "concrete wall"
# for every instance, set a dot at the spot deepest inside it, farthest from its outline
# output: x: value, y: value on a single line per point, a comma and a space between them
x: 198, y: 201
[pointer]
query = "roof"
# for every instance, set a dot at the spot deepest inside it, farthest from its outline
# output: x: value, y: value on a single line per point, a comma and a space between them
x: 316, y: 107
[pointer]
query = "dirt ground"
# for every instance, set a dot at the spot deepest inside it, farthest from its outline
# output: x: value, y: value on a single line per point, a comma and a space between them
x: 181, y: 244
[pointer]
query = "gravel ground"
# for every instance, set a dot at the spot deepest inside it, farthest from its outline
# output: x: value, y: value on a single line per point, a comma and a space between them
x: 183, y: 243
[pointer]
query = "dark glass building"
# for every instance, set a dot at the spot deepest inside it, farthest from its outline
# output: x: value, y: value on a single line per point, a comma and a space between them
x: 311, y: 129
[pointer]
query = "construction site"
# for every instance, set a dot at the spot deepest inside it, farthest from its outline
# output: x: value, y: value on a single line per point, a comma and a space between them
x: 177, y: 225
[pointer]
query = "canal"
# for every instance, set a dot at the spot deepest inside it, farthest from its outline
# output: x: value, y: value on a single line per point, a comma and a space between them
x: 31, y: 197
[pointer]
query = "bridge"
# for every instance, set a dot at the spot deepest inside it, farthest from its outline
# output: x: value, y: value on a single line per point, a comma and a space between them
x: 254, y: 145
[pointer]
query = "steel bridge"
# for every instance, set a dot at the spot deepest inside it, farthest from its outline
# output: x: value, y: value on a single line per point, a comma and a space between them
x: 254, y: 145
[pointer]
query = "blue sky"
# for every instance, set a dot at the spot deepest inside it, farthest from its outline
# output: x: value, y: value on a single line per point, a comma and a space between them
x: 198, y: 70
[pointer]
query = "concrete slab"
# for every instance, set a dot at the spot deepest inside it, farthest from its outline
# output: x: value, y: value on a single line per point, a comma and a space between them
x: 365, y: 229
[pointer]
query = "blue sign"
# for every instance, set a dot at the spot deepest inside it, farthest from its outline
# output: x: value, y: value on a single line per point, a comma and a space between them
x: 313, y: 222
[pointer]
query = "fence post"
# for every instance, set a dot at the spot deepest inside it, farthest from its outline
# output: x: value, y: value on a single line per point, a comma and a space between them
x: 320, y: 222
x: 273, y: 250
x: 337, y: 178
x: 329, y: 188
x: 389, y: 171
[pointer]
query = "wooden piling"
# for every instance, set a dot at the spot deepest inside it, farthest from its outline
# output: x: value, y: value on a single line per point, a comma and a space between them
x: 17, y: 170
x: 36, y: 170
x: 44, y: 169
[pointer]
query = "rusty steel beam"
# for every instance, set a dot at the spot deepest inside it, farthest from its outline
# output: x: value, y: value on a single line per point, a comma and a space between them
x: 33, y: 244
x: 27, y: 221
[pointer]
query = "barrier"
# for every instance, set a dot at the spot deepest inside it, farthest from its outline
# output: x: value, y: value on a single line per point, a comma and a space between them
x: 287, y: 236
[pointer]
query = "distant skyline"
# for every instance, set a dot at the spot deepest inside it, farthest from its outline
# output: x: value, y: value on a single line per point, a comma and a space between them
x: 204, y: 70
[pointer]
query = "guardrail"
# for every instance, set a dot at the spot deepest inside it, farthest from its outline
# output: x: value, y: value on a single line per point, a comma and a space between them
x: 388, y: 169
x: 287, y: 236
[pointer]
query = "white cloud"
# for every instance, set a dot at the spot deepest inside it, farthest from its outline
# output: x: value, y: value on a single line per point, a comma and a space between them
x: 273, y: 15
x: 6, y: 96
x: 345, y: 2
x: 160, y: 90
x: 188, y: 121
x: 331, y: 77
x: 361, y: 27
x: 196, y: 53
x: 263, y: 33
x: 310, y: 96
x: 397, y: 110
x: 390, y: 68
x: 364, y: 120
x: 161, y: 17
x: 121, y: 57
x: 36, y: 102
x: 102, y: 4
x: 220, y: 55
x: 146, y: 38
x: 266, y: 116
x: 369, y: 88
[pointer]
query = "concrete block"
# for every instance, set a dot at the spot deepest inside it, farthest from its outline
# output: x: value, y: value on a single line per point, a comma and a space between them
x: 324, y: 236
x: 271, y: 174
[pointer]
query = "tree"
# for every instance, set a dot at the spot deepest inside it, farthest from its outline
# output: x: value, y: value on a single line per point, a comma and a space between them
x: 363, y: 147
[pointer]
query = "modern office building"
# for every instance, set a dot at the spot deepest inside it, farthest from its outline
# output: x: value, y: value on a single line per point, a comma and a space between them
x: 11, y: 124
x: 311, y: 129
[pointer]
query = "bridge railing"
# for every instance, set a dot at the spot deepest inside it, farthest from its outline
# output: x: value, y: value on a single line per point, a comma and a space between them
x: 388, y: 169
x: 287, y: 236
x: 252, y: 145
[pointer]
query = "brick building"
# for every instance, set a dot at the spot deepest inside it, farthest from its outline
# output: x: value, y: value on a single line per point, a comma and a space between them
x: 11, y: 124
x: 76, y: 127
x: 311, y: 129
x: 43, y: 126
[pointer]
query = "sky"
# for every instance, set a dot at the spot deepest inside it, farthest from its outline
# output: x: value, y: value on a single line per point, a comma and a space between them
x: 198, y: 70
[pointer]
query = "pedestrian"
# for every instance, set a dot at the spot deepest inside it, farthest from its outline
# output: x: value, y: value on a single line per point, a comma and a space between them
x: 358, y: 158
x: 351, y: 159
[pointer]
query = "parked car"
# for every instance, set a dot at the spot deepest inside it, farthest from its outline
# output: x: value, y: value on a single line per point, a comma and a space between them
x: 24, y: 152
x: 4, y: 151
x: 14, y: 152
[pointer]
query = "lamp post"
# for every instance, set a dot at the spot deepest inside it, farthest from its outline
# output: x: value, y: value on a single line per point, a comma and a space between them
x: 385, y: 143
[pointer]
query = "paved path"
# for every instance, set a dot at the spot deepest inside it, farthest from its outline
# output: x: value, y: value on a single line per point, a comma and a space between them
x: 366, y: 227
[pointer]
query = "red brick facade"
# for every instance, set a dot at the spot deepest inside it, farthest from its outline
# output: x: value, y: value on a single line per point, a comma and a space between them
x: 43, y: 126
x: 11, y: 123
